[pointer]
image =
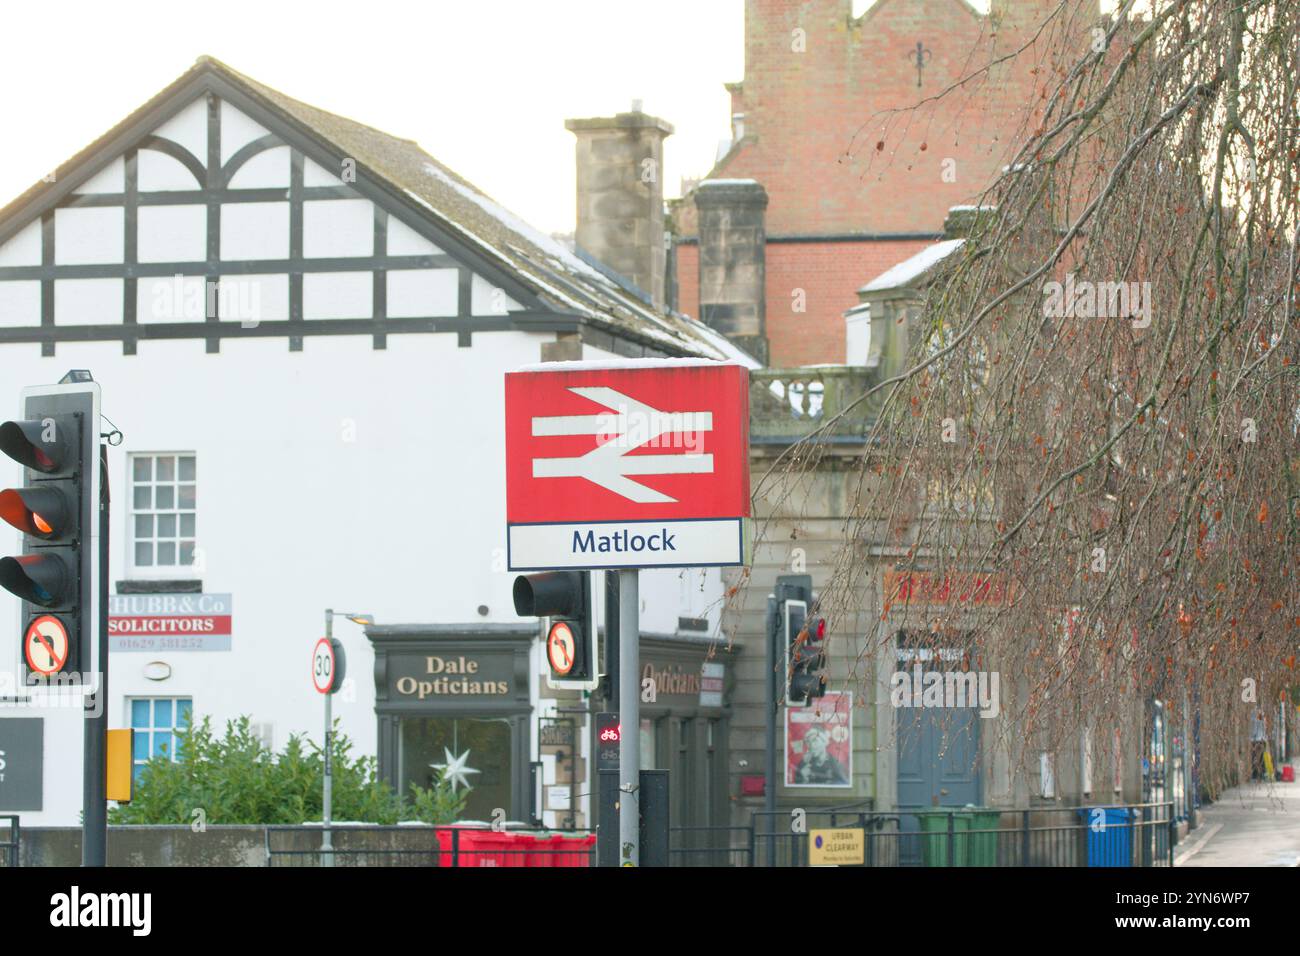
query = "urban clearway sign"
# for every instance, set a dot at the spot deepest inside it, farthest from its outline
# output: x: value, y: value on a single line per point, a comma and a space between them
x: 638, y: 464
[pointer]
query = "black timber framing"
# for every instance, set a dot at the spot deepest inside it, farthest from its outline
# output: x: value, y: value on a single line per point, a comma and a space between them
x: 47, y: 284
x: 379, y: 292
x: 296, y: 166
x: 131, y: 220
x: 540, y: 322
x: 137, y: 132
x: 212, y: 181
x: 113, y: 270
x: 816, y: 237
x: 190, y: 197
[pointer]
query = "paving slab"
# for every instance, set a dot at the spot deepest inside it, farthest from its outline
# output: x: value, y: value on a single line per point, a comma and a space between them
x: 1256, y: 824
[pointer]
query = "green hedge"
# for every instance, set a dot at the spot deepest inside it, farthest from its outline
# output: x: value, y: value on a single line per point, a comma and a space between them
x: 235, y: 779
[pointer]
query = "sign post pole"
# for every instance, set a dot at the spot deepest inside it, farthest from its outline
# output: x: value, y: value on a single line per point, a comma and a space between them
x: 94, y: 851
x: 769, y: 727
x: 629, y: 694
x: 327, y: 841
x: 607, y: 816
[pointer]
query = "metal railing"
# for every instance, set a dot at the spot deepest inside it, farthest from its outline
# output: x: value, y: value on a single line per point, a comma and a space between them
x: 1127, y: 835
x: 781, y: 838
x: 473, y: 845
x: 9, y: 847
x: 711, y: 846
x: 1119, y: 835
x: 788, y: 404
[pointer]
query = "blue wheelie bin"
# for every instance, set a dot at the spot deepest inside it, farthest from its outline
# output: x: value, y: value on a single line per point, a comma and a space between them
x: 1109, y: 834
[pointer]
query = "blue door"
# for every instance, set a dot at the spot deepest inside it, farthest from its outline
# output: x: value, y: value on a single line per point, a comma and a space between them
x: 938, y: 766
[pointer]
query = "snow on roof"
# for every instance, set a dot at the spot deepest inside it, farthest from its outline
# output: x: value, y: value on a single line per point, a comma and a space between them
x: 562, y: 255
x: 729, y: 349
x: 911, y: 269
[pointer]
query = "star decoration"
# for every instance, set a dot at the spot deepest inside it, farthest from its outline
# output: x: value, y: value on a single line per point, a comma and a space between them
x: 455, y: 769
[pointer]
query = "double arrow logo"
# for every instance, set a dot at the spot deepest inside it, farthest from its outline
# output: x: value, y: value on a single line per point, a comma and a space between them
x: 632, y: 425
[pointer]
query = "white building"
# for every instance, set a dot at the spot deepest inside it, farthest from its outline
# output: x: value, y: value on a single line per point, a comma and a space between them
x: 301, y: 324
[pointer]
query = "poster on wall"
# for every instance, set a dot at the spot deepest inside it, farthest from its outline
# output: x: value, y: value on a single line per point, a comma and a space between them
x: 819, y: 742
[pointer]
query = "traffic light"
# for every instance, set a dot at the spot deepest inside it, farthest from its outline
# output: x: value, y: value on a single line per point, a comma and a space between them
x: 56, y: 576
x: 565, y: 598
x: 801, y: 639
x: 808, y: 661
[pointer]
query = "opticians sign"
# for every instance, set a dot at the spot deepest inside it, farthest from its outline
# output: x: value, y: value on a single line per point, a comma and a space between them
x: 627, y: 465
x: 169, y: 622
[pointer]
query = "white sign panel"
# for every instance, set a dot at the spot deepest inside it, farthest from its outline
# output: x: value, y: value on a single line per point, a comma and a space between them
x: 627, y: 544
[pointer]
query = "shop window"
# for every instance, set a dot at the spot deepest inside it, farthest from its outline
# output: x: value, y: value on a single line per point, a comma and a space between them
x: 648, y: 748
x: 156, y: 721
x: 476, y: 753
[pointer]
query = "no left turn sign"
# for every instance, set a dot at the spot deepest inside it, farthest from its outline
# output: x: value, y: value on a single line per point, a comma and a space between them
x: 46, y: 645
x: 560, y: 648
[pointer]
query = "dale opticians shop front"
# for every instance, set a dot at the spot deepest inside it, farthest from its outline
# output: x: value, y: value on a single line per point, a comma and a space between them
x: 453, y: 699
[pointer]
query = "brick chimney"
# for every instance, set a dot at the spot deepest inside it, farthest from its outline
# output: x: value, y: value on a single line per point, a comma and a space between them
x: 621, y: 195
x: 733, y: 261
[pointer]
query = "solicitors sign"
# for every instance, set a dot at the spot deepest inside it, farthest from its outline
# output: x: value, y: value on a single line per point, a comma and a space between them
x: 169, y: 622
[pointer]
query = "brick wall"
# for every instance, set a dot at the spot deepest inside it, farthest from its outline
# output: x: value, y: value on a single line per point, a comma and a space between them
x: 827, y: 273
x: 821, y: 90
x: 814, y: 117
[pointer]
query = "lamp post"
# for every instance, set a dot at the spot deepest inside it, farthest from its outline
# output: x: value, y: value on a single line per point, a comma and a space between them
x: 327, y: 842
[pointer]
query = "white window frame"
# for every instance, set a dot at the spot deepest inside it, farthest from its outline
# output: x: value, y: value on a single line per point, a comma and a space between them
x: 154, y: 572
x: 1047, y: 775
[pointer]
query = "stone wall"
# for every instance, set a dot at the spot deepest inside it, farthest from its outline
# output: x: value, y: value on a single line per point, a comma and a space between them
x: 231, y: 846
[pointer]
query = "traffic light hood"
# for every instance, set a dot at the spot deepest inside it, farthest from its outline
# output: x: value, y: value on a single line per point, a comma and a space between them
x: 549, y: 594
x: 41, y: 512
x: 36, y: 578
x: 25, y: 442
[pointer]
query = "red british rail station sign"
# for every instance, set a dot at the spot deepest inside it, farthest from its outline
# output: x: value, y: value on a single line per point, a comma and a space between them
x: 631, y: 464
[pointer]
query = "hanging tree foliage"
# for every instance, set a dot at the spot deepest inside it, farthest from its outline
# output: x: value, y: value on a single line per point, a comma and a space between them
x: 1099, y: 404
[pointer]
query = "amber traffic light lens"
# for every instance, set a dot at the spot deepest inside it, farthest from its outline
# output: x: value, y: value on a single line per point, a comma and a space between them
x: 41, y: 512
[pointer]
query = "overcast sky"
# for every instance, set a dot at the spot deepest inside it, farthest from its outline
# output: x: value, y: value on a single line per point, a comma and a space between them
x: 483, y: 85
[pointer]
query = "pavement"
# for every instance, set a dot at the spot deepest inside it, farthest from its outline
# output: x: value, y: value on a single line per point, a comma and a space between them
x: 1256, y: 824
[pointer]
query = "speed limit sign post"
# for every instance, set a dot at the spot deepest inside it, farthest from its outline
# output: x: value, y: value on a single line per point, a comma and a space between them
x: 328, y: 666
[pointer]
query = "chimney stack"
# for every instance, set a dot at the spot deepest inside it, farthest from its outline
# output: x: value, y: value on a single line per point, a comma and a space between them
x: 733, y: 261
x: 621, y: 195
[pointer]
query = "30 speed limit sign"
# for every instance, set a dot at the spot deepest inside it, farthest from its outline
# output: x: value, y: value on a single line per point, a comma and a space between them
x: 328, y: 666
